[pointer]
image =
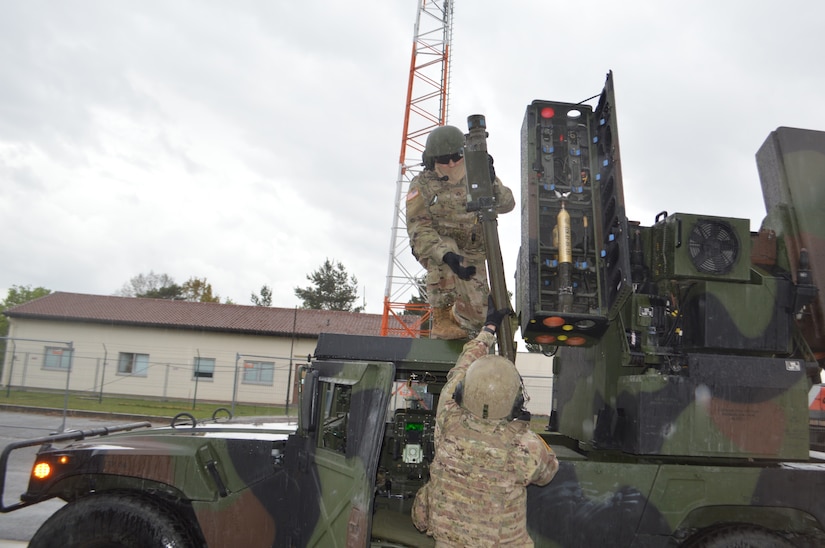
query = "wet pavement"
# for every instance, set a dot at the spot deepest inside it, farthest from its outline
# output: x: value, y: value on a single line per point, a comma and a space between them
x: 17, y: 527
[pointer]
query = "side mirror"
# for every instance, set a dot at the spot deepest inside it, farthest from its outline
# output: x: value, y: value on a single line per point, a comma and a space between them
x: 307, y: 419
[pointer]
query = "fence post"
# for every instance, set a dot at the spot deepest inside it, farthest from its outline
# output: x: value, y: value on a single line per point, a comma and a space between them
x: 11, y: 367
x: 103, y: 372
x: 66, y: 394
x: 166, y: 383
x: 235, y: 383
x: 25, y: 370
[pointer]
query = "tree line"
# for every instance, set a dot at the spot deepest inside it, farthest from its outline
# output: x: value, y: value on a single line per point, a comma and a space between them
x: 331, y: 288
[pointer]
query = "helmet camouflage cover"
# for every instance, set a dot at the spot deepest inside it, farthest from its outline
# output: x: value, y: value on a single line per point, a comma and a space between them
x: 492, y: 388
x: 442, y: 141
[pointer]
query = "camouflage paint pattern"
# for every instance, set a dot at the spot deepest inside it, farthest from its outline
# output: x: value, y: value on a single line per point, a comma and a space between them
x: 202, y: 477
x: 690, y: 392
x: 791, y: 165
x: 438, y: 222
x: 477, y: 490
x: 639, y: 503
x: 303, y: 498
x: 703, y: 358
x: 227, y: 481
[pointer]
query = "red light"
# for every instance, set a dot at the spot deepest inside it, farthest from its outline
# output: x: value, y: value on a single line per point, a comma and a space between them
x: 545, y: 339
x: 548, y: 112
x: 553, y: 321
x: 576, y: 341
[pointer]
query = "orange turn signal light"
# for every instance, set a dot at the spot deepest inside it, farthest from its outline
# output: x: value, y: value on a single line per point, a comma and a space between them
x: 42, y: 470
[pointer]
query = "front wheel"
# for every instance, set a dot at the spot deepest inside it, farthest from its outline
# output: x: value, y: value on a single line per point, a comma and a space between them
x: 112, y: 521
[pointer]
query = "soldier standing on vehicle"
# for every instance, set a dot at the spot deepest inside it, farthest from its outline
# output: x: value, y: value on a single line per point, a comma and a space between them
x: 446, y: 239
x: 484, y: 457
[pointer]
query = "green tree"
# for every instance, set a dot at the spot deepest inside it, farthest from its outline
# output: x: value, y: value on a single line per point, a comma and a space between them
x: 172, y: 292
x: 198, y: 290
x: 18, y: 294
x: 163, y: 286
x: 332, y: 289
x: 264, y: 299
x: 150, y: 285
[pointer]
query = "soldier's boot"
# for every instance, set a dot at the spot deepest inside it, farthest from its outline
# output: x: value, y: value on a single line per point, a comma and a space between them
x: 445, y: 326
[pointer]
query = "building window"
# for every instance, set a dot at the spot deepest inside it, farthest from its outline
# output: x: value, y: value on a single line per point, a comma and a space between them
x: 204, y: 368
x: 133, y: 364
x: 57, y: 357
x: 258, y: 372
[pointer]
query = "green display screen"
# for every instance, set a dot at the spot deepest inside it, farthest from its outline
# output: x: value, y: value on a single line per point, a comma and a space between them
x: 415, y: 426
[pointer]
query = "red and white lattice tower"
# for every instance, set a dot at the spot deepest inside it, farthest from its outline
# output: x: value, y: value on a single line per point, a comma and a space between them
x: 427, y: 108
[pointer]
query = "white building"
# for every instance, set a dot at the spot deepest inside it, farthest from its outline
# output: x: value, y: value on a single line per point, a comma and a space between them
x: 184, y: 350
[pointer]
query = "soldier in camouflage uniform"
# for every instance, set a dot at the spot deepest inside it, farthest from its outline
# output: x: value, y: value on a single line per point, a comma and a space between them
x: 446, y: 239
x: 484, y: 459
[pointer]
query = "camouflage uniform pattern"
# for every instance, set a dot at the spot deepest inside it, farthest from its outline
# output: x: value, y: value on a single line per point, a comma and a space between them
x: 437, y: 223
x: 477, y: 492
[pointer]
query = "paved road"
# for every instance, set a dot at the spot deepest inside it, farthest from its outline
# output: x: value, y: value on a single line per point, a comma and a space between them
x: 21, y: 524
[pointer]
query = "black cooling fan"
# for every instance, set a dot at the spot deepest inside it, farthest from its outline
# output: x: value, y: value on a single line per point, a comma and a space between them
x: 713, y: 246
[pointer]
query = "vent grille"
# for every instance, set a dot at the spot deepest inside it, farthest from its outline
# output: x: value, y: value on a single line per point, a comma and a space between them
x: 713, y: 246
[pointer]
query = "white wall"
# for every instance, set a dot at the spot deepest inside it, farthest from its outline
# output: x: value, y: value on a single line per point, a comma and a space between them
x: 537, y: 371
x: 172, y: 354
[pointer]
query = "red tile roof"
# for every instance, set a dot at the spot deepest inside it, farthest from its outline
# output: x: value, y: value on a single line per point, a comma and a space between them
x: 232, y: 318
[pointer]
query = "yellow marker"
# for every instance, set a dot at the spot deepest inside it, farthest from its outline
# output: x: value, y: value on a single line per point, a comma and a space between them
x: 565, y: 237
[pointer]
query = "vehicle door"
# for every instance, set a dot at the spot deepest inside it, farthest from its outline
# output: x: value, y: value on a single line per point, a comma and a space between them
x: 349, y: 411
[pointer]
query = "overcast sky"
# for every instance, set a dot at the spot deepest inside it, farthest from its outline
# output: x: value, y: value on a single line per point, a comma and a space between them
x: 246, y: 142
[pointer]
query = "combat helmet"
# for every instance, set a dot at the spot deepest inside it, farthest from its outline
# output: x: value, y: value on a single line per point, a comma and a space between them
x: 491, y: 389
x: 442, y: 141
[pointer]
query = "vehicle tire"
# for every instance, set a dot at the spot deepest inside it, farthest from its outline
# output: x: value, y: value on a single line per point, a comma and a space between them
x: 112, y: 521
x: 189, y: 420
x: 221, y: 414
x: 738, y: 536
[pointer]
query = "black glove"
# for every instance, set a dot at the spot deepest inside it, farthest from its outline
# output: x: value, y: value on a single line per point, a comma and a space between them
x: 495, y: 317
x: 454, y: 262
x: 492, y: 169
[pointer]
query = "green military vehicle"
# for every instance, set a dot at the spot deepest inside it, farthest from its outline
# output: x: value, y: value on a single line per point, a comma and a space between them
x: 683, y: 357
x: 684, y: 351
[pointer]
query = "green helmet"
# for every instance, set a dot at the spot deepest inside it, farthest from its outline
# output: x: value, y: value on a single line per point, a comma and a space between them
x: 442, y: 141
x: 491, y: 389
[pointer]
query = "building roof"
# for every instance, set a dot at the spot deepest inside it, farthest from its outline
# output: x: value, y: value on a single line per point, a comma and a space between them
x: 232, y: 318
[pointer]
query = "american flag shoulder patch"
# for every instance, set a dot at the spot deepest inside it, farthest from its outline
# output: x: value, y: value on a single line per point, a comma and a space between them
x: 412, y: 194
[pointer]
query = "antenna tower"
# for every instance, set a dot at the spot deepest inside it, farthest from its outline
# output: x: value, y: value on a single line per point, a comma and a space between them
x: 426, y: 109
